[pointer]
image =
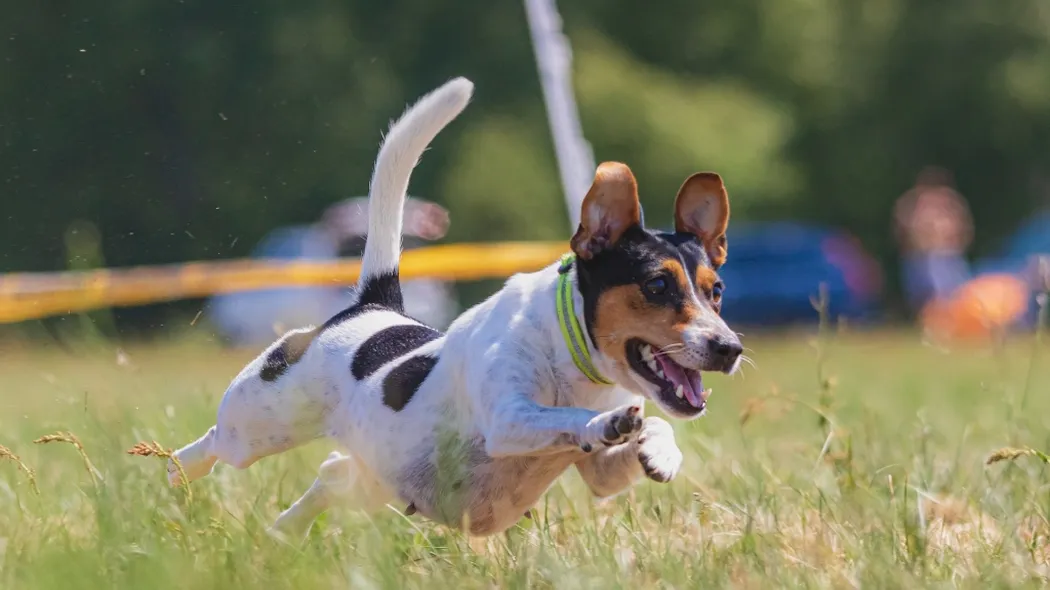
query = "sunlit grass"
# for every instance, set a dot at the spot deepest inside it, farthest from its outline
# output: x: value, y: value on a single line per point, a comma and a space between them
x: 851, y: 460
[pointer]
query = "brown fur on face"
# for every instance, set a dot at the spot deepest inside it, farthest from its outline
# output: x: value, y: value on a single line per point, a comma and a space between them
x: 685, y: 285
x: 705, y: 279
x: 705, y: 284
x: 624, y: 313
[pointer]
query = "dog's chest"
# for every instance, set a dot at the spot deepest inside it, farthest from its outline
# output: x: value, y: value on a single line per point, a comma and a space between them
x: 465, y: 488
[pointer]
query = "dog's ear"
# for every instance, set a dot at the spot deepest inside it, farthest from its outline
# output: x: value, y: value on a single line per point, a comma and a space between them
x: 610, y: 207
x: 702, y: 209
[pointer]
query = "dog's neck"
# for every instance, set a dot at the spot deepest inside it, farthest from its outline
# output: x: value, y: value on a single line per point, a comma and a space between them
x: 580, y: 347
x: 576, y: 388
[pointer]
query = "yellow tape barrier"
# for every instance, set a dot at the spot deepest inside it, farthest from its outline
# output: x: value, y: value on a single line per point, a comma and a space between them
x: 27, y: 296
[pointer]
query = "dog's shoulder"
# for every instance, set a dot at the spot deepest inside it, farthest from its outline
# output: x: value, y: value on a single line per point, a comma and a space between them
x: 508, y: 335
x: 522, y: 307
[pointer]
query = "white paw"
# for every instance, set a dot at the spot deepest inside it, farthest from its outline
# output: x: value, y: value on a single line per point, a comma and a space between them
x: 290, y: 528
x: 277, y: 534
x: 657, y: 451
x: 174, y: 479
x: 613, y: 428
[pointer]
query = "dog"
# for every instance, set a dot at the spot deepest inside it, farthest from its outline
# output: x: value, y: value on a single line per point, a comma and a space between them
x: 469, y: 428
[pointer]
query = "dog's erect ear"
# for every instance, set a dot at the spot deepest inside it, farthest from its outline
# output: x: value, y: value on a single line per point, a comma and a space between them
x: 702, y: 209
x: 610, y: 207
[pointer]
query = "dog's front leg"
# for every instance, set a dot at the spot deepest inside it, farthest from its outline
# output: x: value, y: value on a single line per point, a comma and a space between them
x: 520, y: 426
x: 335, y: 479
x: 653, y: 453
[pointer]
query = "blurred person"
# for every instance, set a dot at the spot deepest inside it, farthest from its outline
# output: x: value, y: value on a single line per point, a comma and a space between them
x: 934, y: 228
x: 255, y: 318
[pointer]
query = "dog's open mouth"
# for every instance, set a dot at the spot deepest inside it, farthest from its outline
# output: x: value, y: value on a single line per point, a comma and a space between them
x: 681, y: 389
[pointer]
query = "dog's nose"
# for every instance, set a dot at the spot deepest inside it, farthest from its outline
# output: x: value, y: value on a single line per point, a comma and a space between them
x: 726, y: 350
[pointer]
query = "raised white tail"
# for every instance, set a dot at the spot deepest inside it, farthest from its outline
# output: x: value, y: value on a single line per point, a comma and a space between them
x: 409, y: 136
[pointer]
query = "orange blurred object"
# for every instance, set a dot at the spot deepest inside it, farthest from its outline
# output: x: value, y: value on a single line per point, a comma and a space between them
x: 977, y: 310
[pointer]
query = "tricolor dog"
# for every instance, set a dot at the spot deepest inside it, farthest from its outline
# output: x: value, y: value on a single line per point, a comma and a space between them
x: 470, y: 427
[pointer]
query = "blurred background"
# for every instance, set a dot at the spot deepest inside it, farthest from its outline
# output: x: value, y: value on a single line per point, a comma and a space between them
x: 893, y: 151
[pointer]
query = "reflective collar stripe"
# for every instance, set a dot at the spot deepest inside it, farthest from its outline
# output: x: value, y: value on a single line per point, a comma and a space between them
x: 570, y: 326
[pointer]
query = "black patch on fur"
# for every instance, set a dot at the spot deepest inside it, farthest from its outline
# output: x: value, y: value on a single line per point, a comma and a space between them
x: 388, y: 344
x: 351, y: 312
x: 275, y: 365
x: 288, y: 351
x: 633, y: 260
x: 651, y: 471
x: 380, y: 292
x: 384, y: 290
x: 619, y: 427
x: 404, y: 380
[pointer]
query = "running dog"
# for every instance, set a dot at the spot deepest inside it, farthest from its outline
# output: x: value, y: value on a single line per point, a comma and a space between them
x: 469, y: 428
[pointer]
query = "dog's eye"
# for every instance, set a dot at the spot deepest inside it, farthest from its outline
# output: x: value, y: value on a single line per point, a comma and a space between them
x: 716, y: 291
x: 657, y: 286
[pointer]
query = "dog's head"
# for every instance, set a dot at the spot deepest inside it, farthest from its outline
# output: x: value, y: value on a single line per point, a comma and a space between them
x: 652, y: 299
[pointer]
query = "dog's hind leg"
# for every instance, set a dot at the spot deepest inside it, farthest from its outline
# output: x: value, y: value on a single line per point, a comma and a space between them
x: 267, y: 409
x: 196, y: 459
x: 339, y: 477
x: 334, y: 479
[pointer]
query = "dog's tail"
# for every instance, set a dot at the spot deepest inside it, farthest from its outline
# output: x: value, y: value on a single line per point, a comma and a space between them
x: 409, y: 136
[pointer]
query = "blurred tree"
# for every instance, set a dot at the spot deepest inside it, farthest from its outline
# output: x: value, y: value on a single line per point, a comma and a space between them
x: 187, y: 130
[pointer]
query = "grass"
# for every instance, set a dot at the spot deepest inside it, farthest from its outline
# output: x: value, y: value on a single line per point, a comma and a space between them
x: 854, y: 460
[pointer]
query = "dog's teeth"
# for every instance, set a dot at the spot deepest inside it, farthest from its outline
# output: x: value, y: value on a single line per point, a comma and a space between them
x: 679, y: 391
x: 647, y: 353
x: 660, y: 373
x: 651, y: 363
x: 706, y: 394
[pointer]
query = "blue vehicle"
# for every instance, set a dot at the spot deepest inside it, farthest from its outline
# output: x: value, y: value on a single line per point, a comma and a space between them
x: 1019, y: 255
x: 775, y: 270
x: 1032, y: 239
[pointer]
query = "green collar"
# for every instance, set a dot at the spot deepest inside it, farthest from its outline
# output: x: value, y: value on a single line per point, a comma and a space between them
x: 570, y: 326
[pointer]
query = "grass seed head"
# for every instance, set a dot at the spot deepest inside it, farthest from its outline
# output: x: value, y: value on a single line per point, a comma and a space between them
x: 153, y: 449
x: 1011, y: 453
x: 6, y: 453
x: 70, y: 438
x: 149, y: 449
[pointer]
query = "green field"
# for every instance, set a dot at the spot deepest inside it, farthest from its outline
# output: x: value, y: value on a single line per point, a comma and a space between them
x: 864, y: 469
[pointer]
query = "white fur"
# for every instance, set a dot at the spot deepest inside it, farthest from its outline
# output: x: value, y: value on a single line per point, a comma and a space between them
x: 399, y: 154
x: 505, y: 402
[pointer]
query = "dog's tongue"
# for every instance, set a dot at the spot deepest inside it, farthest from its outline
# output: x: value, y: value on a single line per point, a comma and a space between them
x: 691, y: 381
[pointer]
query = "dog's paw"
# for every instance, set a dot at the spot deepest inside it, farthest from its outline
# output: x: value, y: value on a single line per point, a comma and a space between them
x: 613, y: 428
x: 290, y: 527
x: 657, y: 450
x: 174, y: 477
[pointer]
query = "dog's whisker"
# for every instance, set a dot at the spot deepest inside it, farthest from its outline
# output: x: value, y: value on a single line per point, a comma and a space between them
x: 666, y: 352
